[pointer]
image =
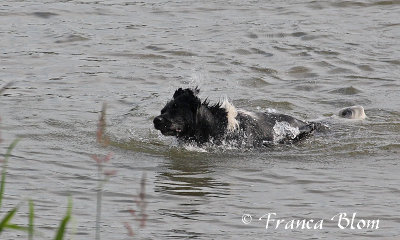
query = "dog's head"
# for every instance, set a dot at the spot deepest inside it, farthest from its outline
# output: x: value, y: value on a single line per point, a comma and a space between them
x: 178, y: 116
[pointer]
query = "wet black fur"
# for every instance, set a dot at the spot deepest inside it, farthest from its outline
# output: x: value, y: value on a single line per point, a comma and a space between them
x: 189, y: 119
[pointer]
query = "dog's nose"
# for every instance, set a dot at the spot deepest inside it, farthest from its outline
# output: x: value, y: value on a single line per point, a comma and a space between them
x: 158, y: 121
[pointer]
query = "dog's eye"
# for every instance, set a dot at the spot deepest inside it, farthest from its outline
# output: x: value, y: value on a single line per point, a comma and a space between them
x: 175, y: 105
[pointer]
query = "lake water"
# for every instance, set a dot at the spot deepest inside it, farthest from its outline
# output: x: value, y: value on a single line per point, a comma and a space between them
x: 304, y: 58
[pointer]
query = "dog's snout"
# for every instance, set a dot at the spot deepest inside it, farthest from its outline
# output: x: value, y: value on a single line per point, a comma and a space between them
x: 158, y: 121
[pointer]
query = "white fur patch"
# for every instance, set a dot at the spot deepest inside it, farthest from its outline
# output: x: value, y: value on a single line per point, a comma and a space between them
x: 231, y: 114
x: 357, y: 112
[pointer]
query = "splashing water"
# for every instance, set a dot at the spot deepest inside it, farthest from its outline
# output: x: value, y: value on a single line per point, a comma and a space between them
x: 283, y: 130
x: 271, y: 110
x: 194, y: 148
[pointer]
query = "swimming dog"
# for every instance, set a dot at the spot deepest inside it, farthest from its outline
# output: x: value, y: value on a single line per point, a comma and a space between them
x: 190, y: 119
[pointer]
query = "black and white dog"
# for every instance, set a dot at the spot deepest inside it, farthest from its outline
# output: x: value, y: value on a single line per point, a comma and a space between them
x: 189, y: 119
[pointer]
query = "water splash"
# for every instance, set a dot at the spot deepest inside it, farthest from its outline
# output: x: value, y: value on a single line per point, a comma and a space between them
x: 283, y: 130
x: 271, y: 110
x: 194, y: 148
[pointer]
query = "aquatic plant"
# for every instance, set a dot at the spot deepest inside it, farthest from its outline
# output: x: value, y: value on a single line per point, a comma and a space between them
x: 63, y: 224
x: 140, y: 215
x: 103, y: 175
x: 31, y: 220
x: 5, y: 222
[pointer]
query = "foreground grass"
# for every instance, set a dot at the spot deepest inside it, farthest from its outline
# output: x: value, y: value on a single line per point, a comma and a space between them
x: 104, y: 175
x: 6, y: 221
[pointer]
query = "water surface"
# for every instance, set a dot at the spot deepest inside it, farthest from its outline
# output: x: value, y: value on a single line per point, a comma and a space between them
x: 304, y: 58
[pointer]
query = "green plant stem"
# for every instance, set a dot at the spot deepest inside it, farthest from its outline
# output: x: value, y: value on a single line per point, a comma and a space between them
x: 4, y: 222
x: 31, y: 219
x: 4, y: 171
x: 63, y: 225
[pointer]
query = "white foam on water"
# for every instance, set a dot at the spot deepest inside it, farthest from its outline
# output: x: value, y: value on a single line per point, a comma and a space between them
x: 193, y: 148
x: 283, y: 130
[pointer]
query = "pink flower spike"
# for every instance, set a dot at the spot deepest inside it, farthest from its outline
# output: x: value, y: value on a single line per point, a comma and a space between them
x: 129, y: 228
x: 108, y: 157
x: 110, y: 172
x: 97, y: 159
x: 143, y: 220
x: 132, y: 212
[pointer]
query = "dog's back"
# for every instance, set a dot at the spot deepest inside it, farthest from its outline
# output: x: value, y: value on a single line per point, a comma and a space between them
x: 258, y: 128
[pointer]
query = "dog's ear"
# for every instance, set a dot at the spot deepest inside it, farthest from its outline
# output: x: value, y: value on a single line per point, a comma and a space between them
x: 188, y: 91
x: 178, y: 92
